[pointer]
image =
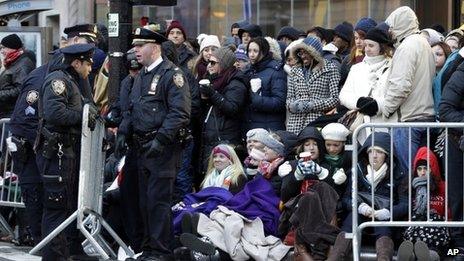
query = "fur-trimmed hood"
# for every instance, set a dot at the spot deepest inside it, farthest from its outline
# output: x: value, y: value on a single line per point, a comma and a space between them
x: 311, y: 51
x: 274, y: 48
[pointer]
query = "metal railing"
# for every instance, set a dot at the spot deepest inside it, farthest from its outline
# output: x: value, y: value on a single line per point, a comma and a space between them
x: 89, y: 207
x: 356, y: 234
x: 10, y: 191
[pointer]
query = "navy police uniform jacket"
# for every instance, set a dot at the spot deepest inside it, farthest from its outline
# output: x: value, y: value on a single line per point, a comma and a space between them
x: 159, y: 101
x: 62, y: 101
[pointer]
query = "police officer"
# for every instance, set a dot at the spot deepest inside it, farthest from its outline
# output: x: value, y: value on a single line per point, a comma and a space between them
x: 160, y: 108
x: 58, y: 144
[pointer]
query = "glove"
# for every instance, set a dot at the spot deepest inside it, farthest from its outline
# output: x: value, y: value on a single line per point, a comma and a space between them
x: 207, y: 90
x: 299, y: 106
x: 284, y: 169
x: 93, y: 116
x: 383, y: 214
x: 339, y: 177
x: 365, y: 210
x: 153, y: 148
x: 367, y: 105
x: 119, y: 145
x: 309, y: 170
x: 11, y: 145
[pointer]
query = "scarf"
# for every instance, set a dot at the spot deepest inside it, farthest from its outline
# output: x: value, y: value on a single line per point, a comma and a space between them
x: 201, y: 69
x: 420, y: 186
x: 376, y: 176
x: 334, y: 161
x: 12, y: 57
x: 220, y: 80
x: 219, y: 179
x: 267, y: 168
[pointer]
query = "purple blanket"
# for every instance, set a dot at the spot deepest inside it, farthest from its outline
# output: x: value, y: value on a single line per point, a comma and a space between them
x: 204, y: 201
x: 258, y: 199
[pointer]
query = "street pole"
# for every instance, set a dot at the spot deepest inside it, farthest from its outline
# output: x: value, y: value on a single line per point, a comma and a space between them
x: 119, y: 43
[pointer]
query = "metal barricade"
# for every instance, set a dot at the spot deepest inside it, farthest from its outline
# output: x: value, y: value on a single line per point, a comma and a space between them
x: 356, y: 234
x: 90, y: 196
x: 10, y: 191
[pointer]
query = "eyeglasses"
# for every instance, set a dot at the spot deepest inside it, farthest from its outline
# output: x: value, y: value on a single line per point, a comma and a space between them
x: 213, y: 63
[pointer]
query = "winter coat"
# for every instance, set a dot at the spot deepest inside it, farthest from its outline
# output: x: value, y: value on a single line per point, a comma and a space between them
x: 11, y: 80
x: 267, y: 106
x: 408, y: 94
x: 452, y: 100
x: 222, y: 115
x: 382, y: 190
x: 320, y: 87
x: 186, y: 57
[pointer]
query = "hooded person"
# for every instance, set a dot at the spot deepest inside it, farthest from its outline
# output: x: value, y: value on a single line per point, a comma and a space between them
x: 426, y: 170
x: 374, y: 172
x: 288, y: 34
x: 17, y: 65
x: 312, y: 85
x: 248, y: 32
x: 408, y: 91
x: 268, y: 88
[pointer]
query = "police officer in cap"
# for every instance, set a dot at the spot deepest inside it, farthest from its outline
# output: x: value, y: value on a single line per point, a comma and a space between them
x: 58, y: 144
x: 160, y: 110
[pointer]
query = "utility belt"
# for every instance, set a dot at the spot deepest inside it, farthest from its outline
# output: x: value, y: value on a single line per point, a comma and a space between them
x: 58, y: 144
x: 183, y: 136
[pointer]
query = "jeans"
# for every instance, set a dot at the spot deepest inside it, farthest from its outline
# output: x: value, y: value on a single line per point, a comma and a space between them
x: 400, y: 141
x: 184, y: 178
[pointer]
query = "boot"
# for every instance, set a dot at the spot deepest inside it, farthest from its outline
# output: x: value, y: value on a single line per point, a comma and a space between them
x: 384, y: 248
x: 341, y: 249
x: 406, y: 251
x: 422, y: 251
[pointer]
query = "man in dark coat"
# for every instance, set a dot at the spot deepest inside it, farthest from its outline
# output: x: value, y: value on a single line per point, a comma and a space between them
x: 177, y: 35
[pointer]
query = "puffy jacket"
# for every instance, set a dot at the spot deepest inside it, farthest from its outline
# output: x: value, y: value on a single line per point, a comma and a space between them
x: 408, y: 94
x: 11, y: 80
x: 267, y: 107
x: 222, y: 113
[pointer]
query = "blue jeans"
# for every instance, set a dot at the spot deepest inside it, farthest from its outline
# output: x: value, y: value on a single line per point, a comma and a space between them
x: 184, y: 178
x: 400, y: 141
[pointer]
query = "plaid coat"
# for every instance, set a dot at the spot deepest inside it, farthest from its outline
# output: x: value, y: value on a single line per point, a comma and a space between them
x: 320, y: 87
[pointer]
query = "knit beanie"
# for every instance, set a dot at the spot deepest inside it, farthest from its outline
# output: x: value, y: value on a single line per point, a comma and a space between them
x: 378, y: 35
x: 365, y: 24
x: 290, y: 32
x: 12, y: 41
x: 209, y: 40
x: 273, y: 144
x: 178, y: 25
x: 240, y: 54
x: 255, y: 134
x: 226, y: 57
x: 314, y: 43
x: 344, y: 31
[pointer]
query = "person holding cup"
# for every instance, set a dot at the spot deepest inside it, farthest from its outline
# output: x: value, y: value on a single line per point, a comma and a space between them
x: 223, y: 94
x: 208, y: 45
x: 268, y: 88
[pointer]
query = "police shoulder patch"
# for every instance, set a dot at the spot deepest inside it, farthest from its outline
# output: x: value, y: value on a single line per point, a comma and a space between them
x: 32, y: 97
x: 178, y: 79
x: 58, y: 87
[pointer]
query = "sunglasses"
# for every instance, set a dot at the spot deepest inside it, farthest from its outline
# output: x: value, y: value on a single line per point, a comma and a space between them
x: 213, y: 63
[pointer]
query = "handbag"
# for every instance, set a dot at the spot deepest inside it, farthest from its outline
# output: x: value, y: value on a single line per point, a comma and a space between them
x: 379, y: 200
x: 351, y: 119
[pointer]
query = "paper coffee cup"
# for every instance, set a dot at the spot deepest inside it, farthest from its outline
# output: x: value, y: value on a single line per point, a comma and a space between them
x: 255, y: 84
x: 204, y: 82
x: 306, y: 156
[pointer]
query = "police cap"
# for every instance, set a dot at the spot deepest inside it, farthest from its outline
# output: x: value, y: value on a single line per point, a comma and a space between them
x: 142, y: 36
x: 83, y: 52
x: 82, y: 30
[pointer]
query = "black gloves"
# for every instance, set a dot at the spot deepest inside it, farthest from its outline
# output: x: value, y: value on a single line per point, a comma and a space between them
x: 119, y: 145
x: 367, y: 105
x: 207, y: 90
x: 153, y: 148
x: 93, y: 116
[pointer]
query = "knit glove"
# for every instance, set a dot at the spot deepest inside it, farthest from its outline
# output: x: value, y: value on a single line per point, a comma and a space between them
x: 365, y: 210
x: 368, y: 106
x: 383, y: 214
x: 339, y: 177
x: 310, y: 170
x: 300, y: 106
x: 284, y: 169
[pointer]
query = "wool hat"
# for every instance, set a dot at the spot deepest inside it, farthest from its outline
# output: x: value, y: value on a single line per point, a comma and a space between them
x: 365, y: 24
x: 209, y: 40
x: 273, y: 144
x: 12, y: 41
x: 178, y: 25
x: 255, y: 134
x: 378, y: 35
x: 335, y: 132
x: 313, y: 42
x: 226, y: 57
x: 241, y: 54
x: 344, y: 31
x: 221, y: 148
x: 290, y: 32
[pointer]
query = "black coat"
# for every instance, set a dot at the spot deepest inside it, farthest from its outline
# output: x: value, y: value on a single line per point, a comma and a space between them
x: 222, y: 113
x: 11, y: 80
x: 452, y: 99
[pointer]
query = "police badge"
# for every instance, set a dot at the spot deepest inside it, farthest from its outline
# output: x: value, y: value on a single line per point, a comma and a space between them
x: 58, y: 87
x: 154, y: 84
x: 178, y: 80
x: 32, y: 97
